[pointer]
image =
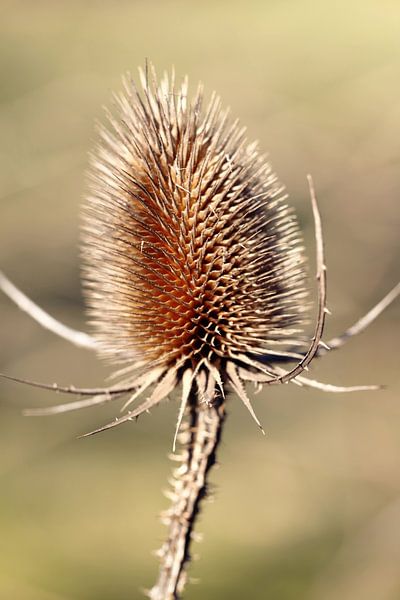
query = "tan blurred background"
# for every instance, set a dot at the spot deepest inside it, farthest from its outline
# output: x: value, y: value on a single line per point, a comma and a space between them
x: 312, y: 511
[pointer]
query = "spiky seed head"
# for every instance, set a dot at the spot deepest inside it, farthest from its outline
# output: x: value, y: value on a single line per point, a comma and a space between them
x: 192, y: 260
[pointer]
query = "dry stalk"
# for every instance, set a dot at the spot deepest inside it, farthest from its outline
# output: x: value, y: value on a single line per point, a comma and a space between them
x: 199, y: 437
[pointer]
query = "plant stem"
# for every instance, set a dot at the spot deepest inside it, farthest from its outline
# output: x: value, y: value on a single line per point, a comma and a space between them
x: 200, y: 439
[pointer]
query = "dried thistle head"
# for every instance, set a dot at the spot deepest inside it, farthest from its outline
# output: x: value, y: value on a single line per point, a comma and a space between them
x: 194, y: 275
x: 193, y: 263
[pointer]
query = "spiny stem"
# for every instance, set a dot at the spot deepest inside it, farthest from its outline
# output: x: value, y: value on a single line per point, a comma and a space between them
x: 200, y: 440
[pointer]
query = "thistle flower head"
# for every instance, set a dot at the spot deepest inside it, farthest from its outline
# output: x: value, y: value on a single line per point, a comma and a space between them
x: 193, y: 263
x: 194, y: 275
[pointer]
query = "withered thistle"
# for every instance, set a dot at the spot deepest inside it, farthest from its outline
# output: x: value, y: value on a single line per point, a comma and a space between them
x: 194, y: 276
x: 193, y: 266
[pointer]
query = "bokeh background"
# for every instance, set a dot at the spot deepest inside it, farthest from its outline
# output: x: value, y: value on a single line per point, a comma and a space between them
x: 312, y: 511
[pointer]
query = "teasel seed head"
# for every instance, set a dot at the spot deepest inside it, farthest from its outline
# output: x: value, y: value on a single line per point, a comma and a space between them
x: 193, y: 263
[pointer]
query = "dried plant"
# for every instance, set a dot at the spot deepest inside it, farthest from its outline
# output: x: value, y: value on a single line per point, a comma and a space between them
x: 194, y: 275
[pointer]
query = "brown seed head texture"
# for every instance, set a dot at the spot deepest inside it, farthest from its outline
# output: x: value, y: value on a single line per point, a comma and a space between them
x: 193, y: 264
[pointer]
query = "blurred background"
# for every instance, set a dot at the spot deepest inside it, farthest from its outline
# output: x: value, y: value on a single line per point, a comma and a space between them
x: 312, y: 511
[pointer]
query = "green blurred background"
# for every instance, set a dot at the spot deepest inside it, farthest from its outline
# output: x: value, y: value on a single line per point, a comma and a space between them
x: 312, y: 511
